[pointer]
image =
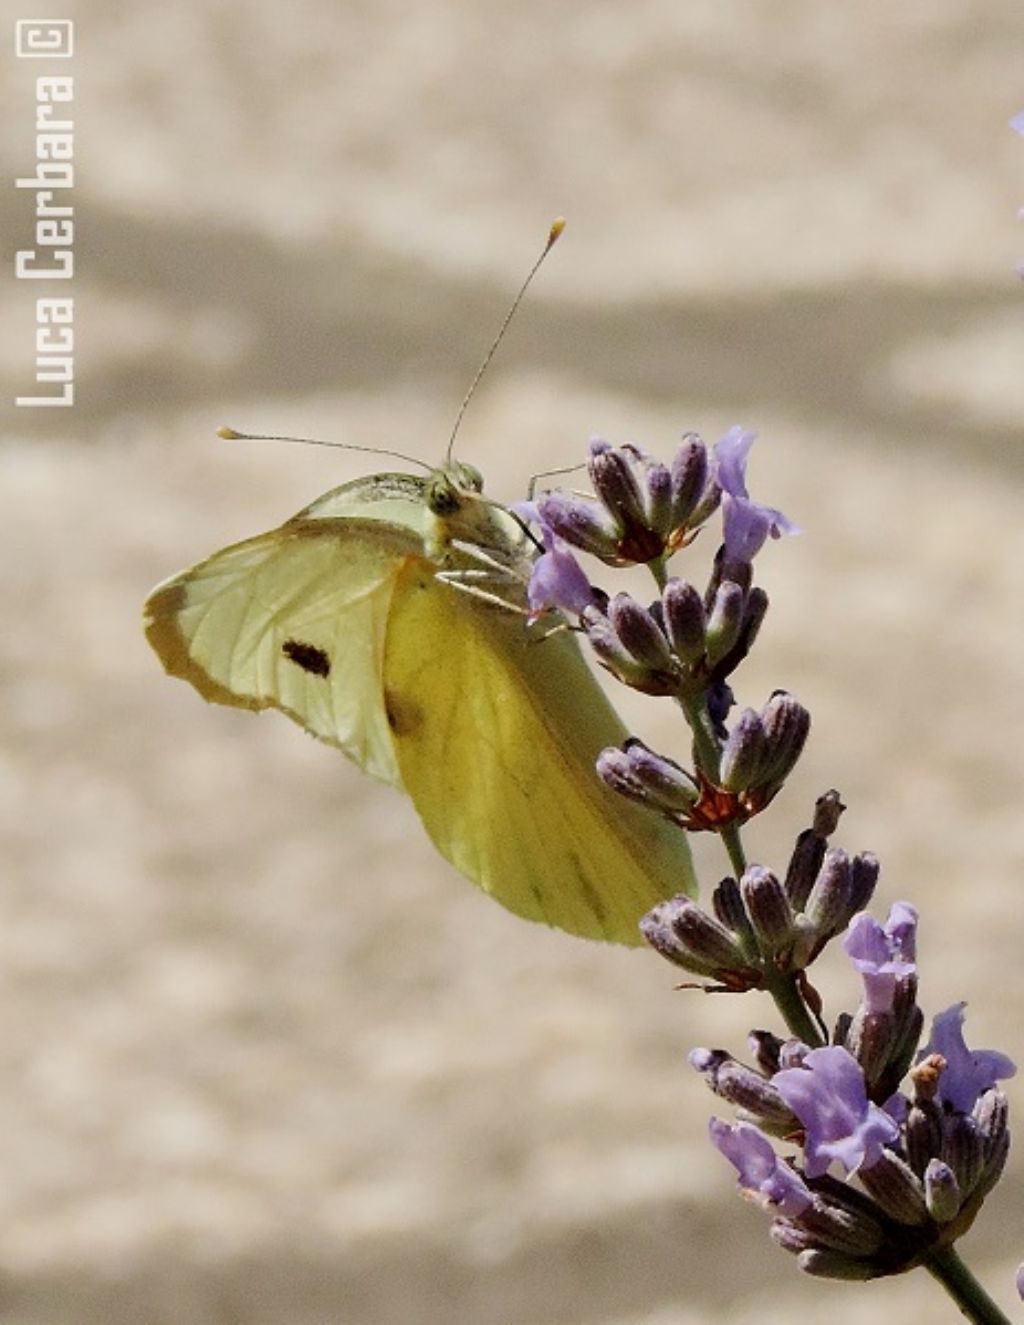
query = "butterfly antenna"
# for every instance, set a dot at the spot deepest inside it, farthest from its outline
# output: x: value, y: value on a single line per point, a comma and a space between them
x: 557, y: 226
x: 552, y: 473
x: 232, y: 435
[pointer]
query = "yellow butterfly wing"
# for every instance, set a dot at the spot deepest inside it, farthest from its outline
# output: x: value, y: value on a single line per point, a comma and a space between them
x: 294, y: 620
x: 338, y: 619
x: 496, y: 734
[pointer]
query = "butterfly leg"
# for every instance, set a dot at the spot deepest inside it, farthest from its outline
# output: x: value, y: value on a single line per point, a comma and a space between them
x: 473, y: 582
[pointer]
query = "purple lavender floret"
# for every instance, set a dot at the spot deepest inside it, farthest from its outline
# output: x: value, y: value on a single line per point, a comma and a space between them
x: 770, y: 1180
x: 746, y: 523
x: 967, y: 1074
x: 557, y: 579
x: 829, y: 1096
x: 884, y: 954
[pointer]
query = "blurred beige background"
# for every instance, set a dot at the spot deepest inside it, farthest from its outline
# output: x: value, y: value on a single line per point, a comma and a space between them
x: 264, y: 1058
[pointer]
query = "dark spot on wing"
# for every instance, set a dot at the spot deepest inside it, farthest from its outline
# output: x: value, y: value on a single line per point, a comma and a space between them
x: 404, y: 717
x: 307, y: 656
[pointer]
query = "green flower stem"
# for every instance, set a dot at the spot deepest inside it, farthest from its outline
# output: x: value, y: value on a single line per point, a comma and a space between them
x: 706, y: 752
x: 945, y: 1265
x: 783, y: 988
x: 733, y: 844
x: 707, y: 755
x: 781, y: 985
x: 659, y: 569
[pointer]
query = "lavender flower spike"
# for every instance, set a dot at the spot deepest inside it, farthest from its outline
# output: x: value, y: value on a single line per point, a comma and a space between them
x: 829, y: 1096
x: 1017, y: 122
x: 967, y: 1075
x: 882, y: 954
x: 746, y: 523
x: 769, y: 1180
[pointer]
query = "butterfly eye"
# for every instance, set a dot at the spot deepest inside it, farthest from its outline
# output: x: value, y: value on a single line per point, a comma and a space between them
x: 443, y: 494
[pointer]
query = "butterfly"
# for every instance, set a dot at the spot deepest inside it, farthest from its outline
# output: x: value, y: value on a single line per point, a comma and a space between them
x: 388, y: 620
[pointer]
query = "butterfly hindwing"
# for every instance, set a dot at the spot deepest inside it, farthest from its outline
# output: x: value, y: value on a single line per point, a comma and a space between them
x: 496, y: 732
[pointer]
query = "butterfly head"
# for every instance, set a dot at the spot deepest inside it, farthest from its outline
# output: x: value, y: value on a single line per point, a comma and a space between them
x: 448, y: 488
x: 463, y: 522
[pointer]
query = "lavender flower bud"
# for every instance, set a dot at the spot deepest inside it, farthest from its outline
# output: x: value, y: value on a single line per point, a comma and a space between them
x: 809, y: 851
x: 827, y: 811
x: 690, y: 485
x: 648, y: 778
x: 991, y: 1113
x: 618, y: 490
x: 963, y: 1149
x: 756, y: 756
x: 744, y: 1088
x: 754, y: 607
x: 683, y: 614
x: 906, y: 1036
x: 725, y: 620
x: 754, y: 613
x: 580, y: 522
x: 640, y: 634
x: 865, y: 876
x: 896, y: 1188
x: 689, y: 937
x: 728, y: 905
x: 833, y: 1265
x: 806, y: 943
x: 744, y: 753
x: 615, y: 653
x: 786, y: 724
x: 615, y: 483
x: 869, y: 1038
x: 922, y: 1135
x: 768, y: 909
x: 658, y: 498
x: 804, y: 864
x: 838, y: 890
x: 840, y: 1220
x: 941, y: 1192
x: 828, y: 905
x: 609, y: 650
